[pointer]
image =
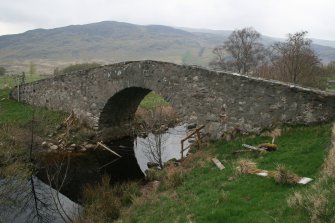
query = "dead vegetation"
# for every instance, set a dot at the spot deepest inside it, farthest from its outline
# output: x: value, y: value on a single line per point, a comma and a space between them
x: 281, y: 175
x: 103, y: 202
x: 284, y: 176
x: 245, y: 166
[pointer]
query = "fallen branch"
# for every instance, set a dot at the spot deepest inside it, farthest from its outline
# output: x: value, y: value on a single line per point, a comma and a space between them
x: 105, y: 147
x: 253, y: 148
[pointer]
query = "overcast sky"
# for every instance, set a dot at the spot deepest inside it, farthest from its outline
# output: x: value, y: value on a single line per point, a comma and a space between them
x: 275, y: 18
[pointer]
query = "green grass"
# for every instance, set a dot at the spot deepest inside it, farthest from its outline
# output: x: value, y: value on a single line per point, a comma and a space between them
x: 10, y: 81
x: 210, y: 195
x: 20, y: 115
x: 153, y: 100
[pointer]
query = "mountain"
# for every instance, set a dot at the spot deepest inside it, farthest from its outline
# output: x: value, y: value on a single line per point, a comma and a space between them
x: 324, y: 42
x: 109, y: 42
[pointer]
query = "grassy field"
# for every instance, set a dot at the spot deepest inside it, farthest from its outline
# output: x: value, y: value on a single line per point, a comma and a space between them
x: 9, y: 81
x: 210, y: 195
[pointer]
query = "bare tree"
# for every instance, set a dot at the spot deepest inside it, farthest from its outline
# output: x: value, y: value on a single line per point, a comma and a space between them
x: 330, y: 69
x: 241, y: 53
x: 296, y: 62
x: 155, y: 141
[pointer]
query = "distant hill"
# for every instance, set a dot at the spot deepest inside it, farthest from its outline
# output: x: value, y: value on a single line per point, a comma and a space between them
x: 109, y: 42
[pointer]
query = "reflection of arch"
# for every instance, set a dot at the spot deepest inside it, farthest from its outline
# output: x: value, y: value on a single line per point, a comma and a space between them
x: 121, y: 107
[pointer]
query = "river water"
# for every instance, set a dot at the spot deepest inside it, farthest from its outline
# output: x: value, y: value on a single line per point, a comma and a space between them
x: 170, y: 146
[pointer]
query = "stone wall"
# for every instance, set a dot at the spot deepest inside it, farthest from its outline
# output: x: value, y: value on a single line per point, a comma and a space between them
x: 109, y: 95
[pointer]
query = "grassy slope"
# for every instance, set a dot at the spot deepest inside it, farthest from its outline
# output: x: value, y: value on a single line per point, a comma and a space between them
x: 9, y: 81
x: 20, y: 115
x: 153, y: 100
x: 208, y: 195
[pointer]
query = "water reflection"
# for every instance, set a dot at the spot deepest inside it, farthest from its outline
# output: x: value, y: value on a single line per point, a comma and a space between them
x: 170, y: 143
x: 88, y: 167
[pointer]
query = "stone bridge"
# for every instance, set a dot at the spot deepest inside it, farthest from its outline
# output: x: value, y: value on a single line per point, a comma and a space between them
x: 107, y: 97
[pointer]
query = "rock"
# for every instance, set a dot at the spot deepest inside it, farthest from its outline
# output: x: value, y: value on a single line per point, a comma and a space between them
x: 152, y: 165
x: 54, y: 147
x: 191, y: 126
x: 73, y: 145
x: 191, y: 140
x: 214, y: 130
x: 70, y: 148
x: 89, y: 146
x: 173, y: 162
x: 155, y: 185
x: 211, y: 118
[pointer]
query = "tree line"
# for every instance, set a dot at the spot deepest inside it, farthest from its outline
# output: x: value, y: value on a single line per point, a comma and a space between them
x: 292, y: 61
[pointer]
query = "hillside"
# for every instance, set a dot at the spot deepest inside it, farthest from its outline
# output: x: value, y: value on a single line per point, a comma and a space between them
x: 106, y: 42
x: 109, y: 42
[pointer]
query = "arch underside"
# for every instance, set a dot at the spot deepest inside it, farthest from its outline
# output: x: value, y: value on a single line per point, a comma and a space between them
x: 117, y: 116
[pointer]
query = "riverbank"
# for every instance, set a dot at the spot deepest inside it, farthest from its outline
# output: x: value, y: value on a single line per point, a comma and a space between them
x: 206, y: 194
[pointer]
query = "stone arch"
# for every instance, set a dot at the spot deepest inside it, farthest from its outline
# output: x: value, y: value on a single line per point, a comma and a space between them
x: 118, y: 113
x: 120, y: 109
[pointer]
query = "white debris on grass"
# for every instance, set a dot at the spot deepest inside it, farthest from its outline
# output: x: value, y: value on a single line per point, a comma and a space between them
x: 305, y: 180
